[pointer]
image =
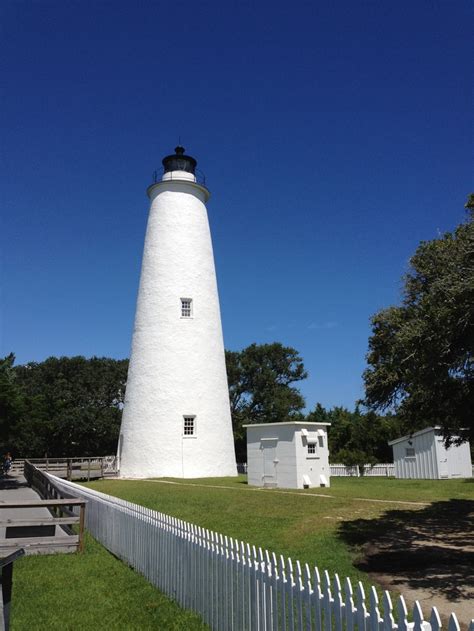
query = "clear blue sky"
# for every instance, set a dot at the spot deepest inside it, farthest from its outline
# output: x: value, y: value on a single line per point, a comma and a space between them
x: 334, y: 136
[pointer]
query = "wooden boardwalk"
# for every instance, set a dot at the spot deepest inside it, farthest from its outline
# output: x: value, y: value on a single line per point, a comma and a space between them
x: 26, y: 521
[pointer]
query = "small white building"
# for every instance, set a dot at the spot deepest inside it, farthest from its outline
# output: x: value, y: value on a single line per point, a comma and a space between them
x: 423, y: 455
x: 291, y: 455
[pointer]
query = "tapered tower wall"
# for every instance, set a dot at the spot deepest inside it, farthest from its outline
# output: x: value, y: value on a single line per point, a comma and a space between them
x: 177, y: 364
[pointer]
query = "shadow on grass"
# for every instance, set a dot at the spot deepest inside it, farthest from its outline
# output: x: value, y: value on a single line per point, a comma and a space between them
x: 430, y: 549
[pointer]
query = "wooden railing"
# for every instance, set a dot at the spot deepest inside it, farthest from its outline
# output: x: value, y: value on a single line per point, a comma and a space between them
x: 6, y: 567
x: 84, y: 468
x: 62, y: 507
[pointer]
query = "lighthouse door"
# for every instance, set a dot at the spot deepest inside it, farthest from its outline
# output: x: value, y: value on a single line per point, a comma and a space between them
x: 269, y: 462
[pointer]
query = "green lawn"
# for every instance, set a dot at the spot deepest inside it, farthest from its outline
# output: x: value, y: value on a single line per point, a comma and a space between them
x: 93, y: 590
x: 299, y: 524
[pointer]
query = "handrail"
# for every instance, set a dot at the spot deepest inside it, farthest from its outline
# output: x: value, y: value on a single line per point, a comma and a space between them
x: 6, y: 565
x: 86, y: 467
x: 12, y: 557
x: 199, y: 176
x: 54, y: 498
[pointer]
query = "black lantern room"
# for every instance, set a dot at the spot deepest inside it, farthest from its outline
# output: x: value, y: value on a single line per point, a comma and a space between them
x: 179, y: 162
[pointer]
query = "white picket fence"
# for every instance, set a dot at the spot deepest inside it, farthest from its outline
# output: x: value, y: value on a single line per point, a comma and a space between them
x: 341, y: 470
x: 235, y: 586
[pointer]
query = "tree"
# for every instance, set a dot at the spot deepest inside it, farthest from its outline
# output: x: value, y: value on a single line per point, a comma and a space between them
x: 71, y: 407
x: 421, y: 353
x: 11, y: 399
x: 357, y: 438
x: 260, y: 390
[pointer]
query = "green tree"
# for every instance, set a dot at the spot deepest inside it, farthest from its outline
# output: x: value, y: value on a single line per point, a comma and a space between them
x: 11, y: 399
x: 72, y: 406
x: 260, y: 387
x: 357, y: 438
x: 421, y: 353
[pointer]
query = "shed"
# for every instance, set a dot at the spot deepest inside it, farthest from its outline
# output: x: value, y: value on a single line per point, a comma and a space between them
x: 423, y: 455
x: 291, y: 455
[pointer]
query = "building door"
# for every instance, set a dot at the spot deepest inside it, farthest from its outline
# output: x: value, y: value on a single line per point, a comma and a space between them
x: 269, y: 456
x: 442, y: 460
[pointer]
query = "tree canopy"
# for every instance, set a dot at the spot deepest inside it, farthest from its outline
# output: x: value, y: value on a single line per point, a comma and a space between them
x: 72, y: 406
x: 63, y: 406
x: 260, y: 387
x: 358, y: 437
x: 11, y: 397
x: 421, y: 353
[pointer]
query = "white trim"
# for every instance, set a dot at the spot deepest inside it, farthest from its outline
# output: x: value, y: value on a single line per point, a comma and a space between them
x: 152, y: 190
x: 285, y: 424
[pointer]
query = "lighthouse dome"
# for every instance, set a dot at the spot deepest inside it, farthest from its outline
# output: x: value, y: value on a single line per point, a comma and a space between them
x: 179, y: 161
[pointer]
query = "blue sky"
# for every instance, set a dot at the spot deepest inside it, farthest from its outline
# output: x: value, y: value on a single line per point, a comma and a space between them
x: 334, y: 137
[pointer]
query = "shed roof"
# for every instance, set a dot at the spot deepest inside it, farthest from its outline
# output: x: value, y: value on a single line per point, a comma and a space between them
x: 302, y: 423
x: 421, y: 431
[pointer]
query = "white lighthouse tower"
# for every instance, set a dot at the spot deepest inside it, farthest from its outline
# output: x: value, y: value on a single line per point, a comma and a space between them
x: 176, y: 419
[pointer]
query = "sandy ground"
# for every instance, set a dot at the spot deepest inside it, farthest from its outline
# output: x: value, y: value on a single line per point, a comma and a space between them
x: 427, y: 555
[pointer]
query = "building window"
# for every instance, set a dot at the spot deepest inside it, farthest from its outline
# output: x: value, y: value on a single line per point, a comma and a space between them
x: 189, y: 426
x: 311, y: 448
x: 409, y: 452
x: 186, y: 307
x: 321, y: 441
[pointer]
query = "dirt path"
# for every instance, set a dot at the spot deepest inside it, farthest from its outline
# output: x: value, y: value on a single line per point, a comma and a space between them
x: 258, y: 489
x: 426, y: 554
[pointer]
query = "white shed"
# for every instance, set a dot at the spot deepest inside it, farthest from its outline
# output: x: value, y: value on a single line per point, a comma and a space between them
x: 288, y: 455
x: 423, y: 455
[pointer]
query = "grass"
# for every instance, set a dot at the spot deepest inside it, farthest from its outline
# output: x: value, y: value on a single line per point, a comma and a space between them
x: 96, y: 590
x: 301, y: 525
x: 93, y: 590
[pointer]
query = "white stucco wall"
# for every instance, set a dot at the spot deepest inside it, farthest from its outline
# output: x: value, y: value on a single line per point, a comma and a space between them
x: 313, y: 465
x: 260, y: 471
x: 277, y: 455
x: 177, y: 365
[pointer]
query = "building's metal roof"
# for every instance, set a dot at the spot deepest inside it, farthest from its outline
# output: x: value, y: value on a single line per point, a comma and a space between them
x: 303, y: 423
x: 409, y: 436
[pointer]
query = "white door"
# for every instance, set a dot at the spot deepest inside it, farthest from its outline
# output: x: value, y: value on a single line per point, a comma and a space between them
x: 442, y: 460
x: 269, y: 455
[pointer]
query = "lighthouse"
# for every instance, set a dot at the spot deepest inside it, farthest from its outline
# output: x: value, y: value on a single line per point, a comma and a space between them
x: 176, y: 419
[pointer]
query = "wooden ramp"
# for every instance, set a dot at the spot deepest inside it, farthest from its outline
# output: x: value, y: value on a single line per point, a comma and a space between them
x: 27, y: 521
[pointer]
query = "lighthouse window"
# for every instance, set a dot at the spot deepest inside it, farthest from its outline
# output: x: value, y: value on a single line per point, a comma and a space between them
x: 189, y: 428
x: 186, y: 307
